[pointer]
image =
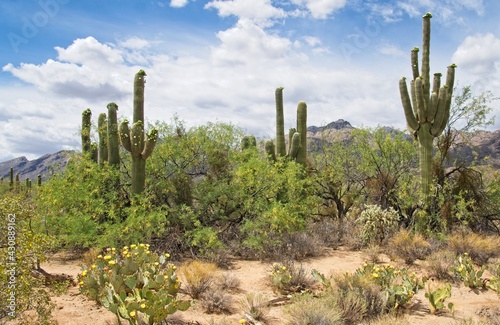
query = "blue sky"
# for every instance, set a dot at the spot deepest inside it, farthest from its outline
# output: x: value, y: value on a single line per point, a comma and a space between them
x: 221, y: 60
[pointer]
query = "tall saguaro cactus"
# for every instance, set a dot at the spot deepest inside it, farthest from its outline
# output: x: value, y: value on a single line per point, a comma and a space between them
x: 113, y: 138
x: 133, y: 138
x: 86, y: 124
x: 297, y: 150
x: 103, y: 139
x: 427, y: 112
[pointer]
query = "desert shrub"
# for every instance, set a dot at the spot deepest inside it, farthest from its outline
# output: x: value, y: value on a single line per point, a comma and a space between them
x: 287, y: 277
x: 307, y: 309
x: 134, y: 283
x: 391, y: 319
x: 439, y: 264
x: 480, y: 248
x: 257, y: 306
x: 216, y: 301
x: 360, y: 290
x: 228, y: 282
x: 21, y: 246
x: 328, y: 232
x: 408, y: 247
x: 372, y: 253
x: 198, y: 277
x: 377, y: 224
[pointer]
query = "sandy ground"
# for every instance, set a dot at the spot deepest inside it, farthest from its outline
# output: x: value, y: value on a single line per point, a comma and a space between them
x: 73, y: 308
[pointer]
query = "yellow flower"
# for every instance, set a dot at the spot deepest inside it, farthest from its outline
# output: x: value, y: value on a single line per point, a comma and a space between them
x: 365, y: 265
x: 143, y: 306
x: 460, y: 269
x: 283, y: 268
x: 133, y: 246
x: 141, y: 245
x: 80, y: 283
x: 125, y: 248
x: 99, y: 256
x: 242, y: 321
x: 132, y: 313
x: 111, y: 262
x: 84, y: 272
x: 107, y: 257
x: 156, y: 263
x: 167, y: 255
x: 375, y: 275
x: 93, y: 266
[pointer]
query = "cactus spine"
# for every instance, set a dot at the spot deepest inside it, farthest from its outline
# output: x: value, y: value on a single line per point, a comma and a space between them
x: 297, y: 149
x: 103, y: 139
x: 86, y: 145
x: 113, y: 138
x: 133, y: 138
x: 427, y: 112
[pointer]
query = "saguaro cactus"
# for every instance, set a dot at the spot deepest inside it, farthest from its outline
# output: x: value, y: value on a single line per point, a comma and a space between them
x: 248, y: 141
x: 427, y: 112
x: 86, y: 144
x: 103, y: 139
x: 297, y: 149
x: 113, y: 139
x: 133, y: 138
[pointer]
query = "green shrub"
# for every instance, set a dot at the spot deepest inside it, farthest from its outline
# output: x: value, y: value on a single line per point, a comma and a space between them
x: 23, y: 243
x: 134, y: 283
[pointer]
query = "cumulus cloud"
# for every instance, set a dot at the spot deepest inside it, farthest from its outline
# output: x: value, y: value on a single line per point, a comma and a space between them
x: 321, y: 9
x: 178, y: 3
x: 478, y: 54
x: 260, y: 12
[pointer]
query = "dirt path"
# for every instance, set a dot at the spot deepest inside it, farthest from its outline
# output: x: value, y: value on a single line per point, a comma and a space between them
x: 73, y: 308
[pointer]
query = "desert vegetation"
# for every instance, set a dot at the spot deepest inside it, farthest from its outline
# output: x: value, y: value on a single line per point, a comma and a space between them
x: 159, y: 221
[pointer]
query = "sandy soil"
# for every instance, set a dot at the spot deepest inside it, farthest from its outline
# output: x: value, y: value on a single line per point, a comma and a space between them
x: 73, y: 308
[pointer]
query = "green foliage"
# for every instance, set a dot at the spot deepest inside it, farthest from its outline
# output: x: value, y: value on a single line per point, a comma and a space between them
x: 437, y: 297
x: 377, y: 223
x: 22, y: 246
x: 135, y: 284
x: 82, y: 203
x: 493, y: 283
x: 466, y: 271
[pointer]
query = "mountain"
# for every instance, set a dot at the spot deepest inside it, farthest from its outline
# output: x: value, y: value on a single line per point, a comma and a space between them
x: 45, y: 166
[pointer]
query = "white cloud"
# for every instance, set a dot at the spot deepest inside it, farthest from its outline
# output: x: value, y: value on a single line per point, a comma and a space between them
x: 478, y: 54
x: 178, y: 3
x: 260, y: 12
x: 391, y: 49
x: 321, y: 9
x: 135, y: 43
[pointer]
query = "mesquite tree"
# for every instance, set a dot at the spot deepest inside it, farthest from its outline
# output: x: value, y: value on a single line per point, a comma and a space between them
x: 426, y: 112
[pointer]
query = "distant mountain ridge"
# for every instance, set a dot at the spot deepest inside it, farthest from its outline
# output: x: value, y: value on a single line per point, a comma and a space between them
x: 45, y: 166
x: 484, y: 144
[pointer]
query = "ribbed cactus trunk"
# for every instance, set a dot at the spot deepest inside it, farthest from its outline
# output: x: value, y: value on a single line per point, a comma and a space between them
x: 86, y: 144
x: 103, y: 138
x: 133, y: 139
x: 280, y: 124
x: 113, y: 138
x: 11, y: 180
x: 427, y: 112
x: 302, y: 131
x: 39, y: 180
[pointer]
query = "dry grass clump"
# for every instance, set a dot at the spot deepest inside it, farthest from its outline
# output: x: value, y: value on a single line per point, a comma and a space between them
x: 408, y: 247
x: 479, y: 247
x: 197, y: 277
x: 228, y: 282
x: 328, y: 232
x: 310, y: 310
x: 216, y: 301
x: 390, y: 319
x: 439, y: 264
x: 372, y: 253
x: 357, y: 297
x: 256, y: 306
